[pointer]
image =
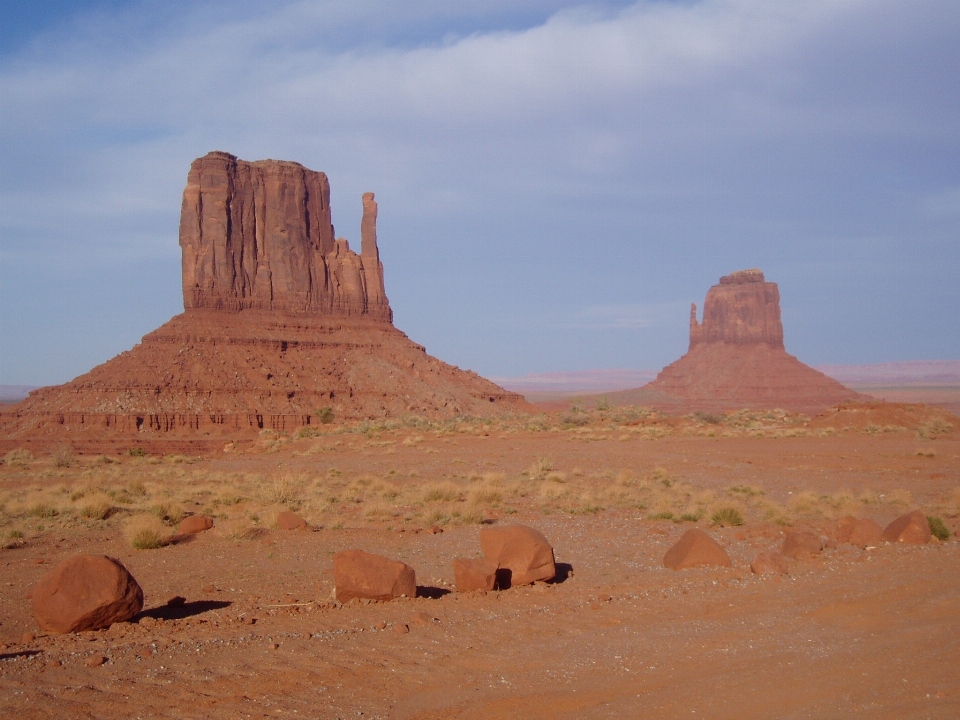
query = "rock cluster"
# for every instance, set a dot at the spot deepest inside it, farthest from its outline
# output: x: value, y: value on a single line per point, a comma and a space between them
x: 736, y: 359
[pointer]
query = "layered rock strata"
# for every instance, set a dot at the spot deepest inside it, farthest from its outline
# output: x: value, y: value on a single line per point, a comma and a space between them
x: 284, y: 326
x: 736, y: 359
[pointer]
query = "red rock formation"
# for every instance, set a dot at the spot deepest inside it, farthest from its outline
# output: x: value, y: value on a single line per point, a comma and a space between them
x: 258, y: 235
x: 520, y: 549
x: 358, y: 574
x: 282, y: 324
x: 737, y: 359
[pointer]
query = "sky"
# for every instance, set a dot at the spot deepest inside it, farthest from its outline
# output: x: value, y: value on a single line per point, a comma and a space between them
x: 557, y: 181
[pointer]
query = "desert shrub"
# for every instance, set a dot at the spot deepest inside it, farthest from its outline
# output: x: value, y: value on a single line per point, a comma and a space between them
x: 145, y: 532
x: 97, y: 507
x: 485, y: 496
x: 284, y: 490
x: 934, y: 428
x: 18, y: 457
x: 62, y: 456
x: 708, y: 418
x: 666, y: 515
x: 42, y: 510
x: 938, y: 528
x: 727, y: 517
x: 446, y: 492
x: 603, y: 404
x: 166, y: 513
x: 691, y: 517
x: 574, y: 418
x: 136, y: 488
x: 137, y: 452
x: 325, y: 415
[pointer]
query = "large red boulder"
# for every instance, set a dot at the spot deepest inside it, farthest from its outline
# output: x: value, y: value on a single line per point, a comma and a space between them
x: 695, y: 548
x: 769, y: 562
x: 910, y: 528
x: 472, y: 575
x: 520, y: 549
x: 866, y: 533
x: 194, y: 524
x: 86, y: 592
x: 358, y: 574
x: 799, y: 545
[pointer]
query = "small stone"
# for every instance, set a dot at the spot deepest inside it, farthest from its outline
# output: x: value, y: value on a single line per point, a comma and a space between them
x: 380, y: 626
x: 522, y: 550
x: 913, y: 528
x: 693, y: 549
x: 195, y: 524
x: 866, y: 533
x: 358, y: 574
x: 209, y: 588
x: 798, y: 545
x: 401, y: 629
x: 422, y: 618
x: 470, y: 574
x: 28, y: 637
x: 435, y: 530
x: 287, y: 520
x: 95, y: 661
x: 769, y: 562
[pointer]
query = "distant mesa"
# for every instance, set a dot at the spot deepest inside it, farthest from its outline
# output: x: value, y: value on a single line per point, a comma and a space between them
x: 737, y: 359
x: 284, y: 326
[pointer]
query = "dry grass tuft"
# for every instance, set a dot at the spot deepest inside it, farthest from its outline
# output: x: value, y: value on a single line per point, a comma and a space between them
x: 145, y: 532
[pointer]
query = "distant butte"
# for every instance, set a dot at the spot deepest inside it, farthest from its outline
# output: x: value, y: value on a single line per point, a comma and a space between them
x: 282, y: 324
x: 737, y: 359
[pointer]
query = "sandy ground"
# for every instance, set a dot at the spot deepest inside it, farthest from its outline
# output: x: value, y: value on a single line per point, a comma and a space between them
x: 852, y: 633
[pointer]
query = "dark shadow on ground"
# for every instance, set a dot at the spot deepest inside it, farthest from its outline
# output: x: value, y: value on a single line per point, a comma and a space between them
x: 185, y: 610
x: 22, y: 653
x: 433, y: 593
x: 564, y: 571
x: 180, y: 539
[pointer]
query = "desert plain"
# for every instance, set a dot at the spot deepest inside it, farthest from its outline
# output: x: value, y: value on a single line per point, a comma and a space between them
x: 256, y: 632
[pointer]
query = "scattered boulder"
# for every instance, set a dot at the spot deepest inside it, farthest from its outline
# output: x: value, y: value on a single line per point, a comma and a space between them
x: 86, y: 592
x: 844, y: 527
x: 910, y: 528
x: 195, y: 524
x: 95, y: 661
x: 865, y: 533
x: 479, y: 574
x: 695, y: 548
x: 287, y: 520
x: 520, y: 549
x: 769, y: 562
x: 358, y: 574
x: 798, y: 545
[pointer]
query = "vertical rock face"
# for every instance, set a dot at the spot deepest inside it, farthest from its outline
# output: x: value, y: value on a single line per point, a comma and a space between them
x: 742, y: 310
x: 258, y: 235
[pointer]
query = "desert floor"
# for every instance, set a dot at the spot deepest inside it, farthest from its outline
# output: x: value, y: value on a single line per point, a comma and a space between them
x: 850, y: 633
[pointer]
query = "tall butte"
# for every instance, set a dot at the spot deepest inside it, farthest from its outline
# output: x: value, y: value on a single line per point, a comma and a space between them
x: 737, y: 359
x: 282, y: 324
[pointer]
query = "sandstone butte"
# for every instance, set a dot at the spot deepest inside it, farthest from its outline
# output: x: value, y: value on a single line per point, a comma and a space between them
x: 282, y: 324
x: 736, y: 359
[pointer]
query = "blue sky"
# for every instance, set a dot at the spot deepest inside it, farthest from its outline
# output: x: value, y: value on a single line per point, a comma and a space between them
x: 557, y: 181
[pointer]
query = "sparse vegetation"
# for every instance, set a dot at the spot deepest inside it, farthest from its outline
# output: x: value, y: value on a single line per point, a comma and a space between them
x: 938, y: 527
x: 727, y: 517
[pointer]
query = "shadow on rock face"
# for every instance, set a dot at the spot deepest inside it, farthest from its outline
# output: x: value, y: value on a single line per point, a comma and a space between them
x: 504, y: 576
x: 179, y: 612
x: 433, y: 593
